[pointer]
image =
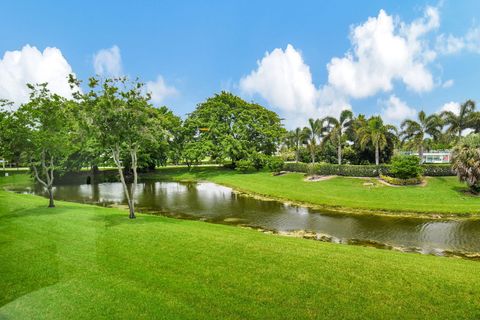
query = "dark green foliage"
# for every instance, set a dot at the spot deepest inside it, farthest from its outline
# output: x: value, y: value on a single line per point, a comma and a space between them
x: 438, y: 170
x: 340, y: 170
x: 274, y: 164
x: 244, y: 166
x: 228, y: 127
x: 405, y: 167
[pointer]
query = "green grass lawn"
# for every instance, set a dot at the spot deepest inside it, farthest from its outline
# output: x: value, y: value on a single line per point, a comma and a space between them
x: 78, y: 261
x: 441, y: 195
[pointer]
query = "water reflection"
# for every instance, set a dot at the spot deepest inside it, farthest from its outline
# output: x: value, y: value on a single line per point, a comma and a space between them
x: 211, y: 202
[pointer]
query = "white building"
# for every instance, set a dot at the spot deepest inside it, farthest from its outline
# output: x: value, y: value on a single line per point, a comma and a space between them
x: 433, y: 156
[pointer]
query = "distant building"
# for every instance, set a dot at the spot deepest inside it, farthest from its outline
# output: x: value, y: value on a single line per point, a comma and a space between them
x: 433, y: 156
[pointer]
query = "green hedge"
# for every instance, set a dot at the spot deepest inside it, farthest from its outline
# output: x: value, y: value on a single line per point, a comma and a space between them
x: 361, y: 170
x: 339, y: 170
x: 401, y: 182
x: 438, y: 170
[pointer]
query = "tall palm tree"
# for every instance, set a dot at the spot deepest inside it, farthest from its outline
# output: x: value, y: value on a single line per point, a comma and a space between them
x: 376, y: 133
x: 336, y: 129
x: 415, y: 132
x: 295, y: 139
x: 462, y: 121
x: 312, y: 135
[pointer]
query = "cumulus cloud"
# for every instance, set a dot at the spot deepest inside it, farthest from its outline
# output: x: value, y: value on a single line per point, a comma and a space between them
x: 30, y: 65
x: 396, y: 110
x: 450, y: 44
x: 284, y: 80
x: 385, y: 50
x: 451, y: 106
x: 108, y: 62
x: 160, y: 90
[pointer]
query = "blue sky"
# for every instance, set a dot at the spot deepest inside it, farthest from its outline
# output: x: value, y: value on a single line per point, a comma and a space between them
x: 199, y: 48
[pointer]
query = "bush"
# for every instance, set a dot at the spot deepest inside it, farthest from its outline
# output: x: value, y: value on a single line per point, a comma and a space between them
x: 438, y: 170
x: 258, y: 160
x: 244, y: 166
x: 401, y: 182
x: 405, y: 167
x: 340, y: 170
x: 274, y: 164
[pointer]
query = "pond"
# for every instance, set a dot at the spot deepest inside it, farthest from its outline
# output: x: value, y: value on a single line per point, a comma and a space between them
x: 218, y: 204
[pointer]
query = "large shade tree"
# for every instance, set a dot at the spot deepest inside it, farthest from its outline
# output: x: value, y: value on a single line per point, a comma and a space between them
x: 416, y: 133
x: 227, y: 127
x: 336, y: 129
x: 461, y: 121
x: 374, y: 132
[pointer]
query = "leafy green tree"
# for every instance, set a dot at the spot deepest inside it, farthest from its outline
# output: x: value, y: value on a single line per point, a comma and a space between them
x: 466, y: 161
x: 313, y: 135
x: 377, y: 134
x: 46, y: 121
x: 462, y: 121
x: 336, y: 129
x: 415, y: 133
x: 227, y: 127
x: 121, y: 121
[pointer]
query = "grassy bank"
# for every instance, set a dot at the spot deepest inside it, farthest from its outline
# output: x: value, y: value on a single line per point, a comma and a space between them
x: 441, y: 195
x: 80, y: 261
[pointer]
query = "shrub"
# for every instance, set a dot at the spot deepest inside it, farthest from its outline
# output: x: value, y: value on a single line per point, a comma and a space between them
x: 258, y: 160
x: 274, y: 164
x: 405, y: 167
x: 401, y: 182
x: 466, y: 161
x: 340, y: 170
x: 438, y: 170
x: 244, y: 166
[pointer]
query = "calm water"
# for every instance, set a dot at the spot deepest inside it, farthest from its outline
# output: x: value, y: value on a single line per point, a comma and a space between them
x: 215, y: 203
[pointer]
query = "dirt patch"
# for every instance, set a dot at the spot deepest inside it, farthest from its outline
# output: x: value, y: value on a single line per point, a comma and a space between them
x: 316, y: 178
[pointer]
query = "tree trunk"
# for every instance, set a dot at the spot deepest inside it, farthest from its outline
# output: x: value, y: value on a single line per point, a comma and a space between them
x: 133, y: 154
x: 312, y: 153
x: 116, y: 158
x: 51, y: 203
x: 420, y: 153
x: 339, y: 153
x: 377, y: 155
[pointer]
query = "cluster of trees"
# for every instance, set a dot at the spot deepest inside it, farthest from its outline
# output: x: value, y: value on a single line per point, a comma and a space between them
x: 361, y: 140
x: 113, y: 123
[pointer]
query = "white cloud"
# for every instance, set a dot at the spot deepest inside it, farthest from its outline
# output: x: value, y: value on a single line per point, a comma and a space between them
x: 450, y: 44
x: 284, y: 80
x: 448, y: 83
x: 451, y: 106
x: 160, y: 90
x: 396, y: 110
x: 30, y: 65
x: 384, y: 50
x: 108, y: 62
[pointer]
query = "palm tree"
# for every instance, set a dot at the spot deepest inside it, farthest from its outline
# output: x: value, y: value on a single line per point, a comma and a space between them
x: 295, y: 139
x: 466, y: 161
x: 311, y: 134
x: 375, y: 132
x: 336, y: 129
x: 415, y: 132
x: 462, y: 121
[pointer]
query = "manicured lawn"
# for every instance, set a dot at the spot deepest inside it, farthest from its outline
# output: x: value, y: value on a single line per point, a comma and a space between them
x: 80, y: 261
x: 440, y: 195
